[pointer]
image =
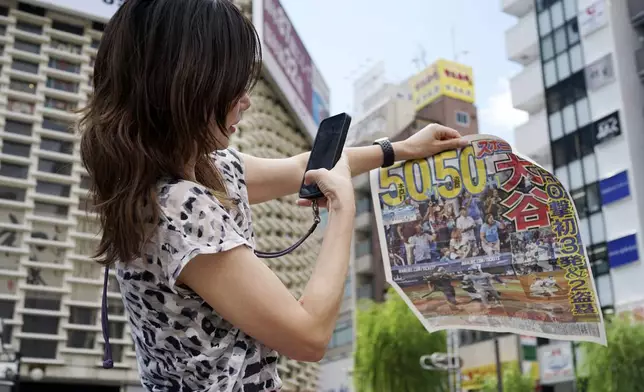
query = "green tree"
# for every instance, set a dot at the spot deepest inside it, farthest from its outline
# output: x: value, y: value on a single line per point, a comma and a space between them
x: 617, y: 367
x: 390, y: 342
x: 513, y: 381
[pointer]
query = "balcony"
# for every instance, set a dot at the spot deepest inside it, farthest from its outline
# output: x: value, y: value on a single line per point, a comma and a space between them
x: 517, y: 8
x: 363, y: 262
x: 636, y: 12
x: 521, y: 41
x: 639, y: 62
x: 527, y: 89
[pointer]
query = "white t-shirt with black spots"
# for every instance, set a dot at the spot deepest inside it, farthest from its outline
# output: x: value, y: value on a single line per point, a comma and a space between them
x: 181, y: 343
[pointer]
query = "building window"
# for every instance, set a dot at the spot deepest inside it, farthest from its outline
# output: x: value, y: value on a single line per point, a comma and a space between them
x: 54, y: 167
x: 52, y: 189
x: 64, y: 66
x: 85, y: 182
x: 95, y: 43
x: 82, y: 315
x: 56, y: 125
x: 21, y: 107
x: 67, y: 28
x: 22, y: 86
x: 55, y: 145
x: 16, y: 148
x: 47, y: 325
x: 463, y: 119
x: 98, y: 26
x: 29, y: 27
x: 11, y: 193
x: 80, y: 339
x: 59, y: 104
x: 66, y: 46
x: 63, y: 85
x: 32, y: 348
x: 17, y: 127
x: 12, y: 170
x: 24, y: 66
x: 26, y: 46
x: 31, y: 9
x: 51, y: 210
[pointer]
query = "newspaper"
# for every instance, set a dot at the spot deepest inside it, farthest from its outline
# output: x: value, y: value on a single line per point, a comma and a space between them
x: 484, y: 238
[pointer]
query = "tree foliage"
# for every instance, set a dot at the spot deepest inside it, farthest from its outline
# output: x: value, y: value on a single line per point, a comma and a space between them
x: 617, y: 367
x: 513, y: 381
x: 390, y: 342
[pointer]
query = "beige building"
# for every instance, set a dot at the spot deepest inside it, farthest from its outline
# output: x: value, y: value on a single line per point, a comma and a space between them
x: 49, y: 287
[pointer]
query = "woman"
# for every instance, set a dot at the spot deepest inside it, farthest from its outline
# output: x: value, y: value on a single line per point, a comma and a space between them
x: 171, y: 82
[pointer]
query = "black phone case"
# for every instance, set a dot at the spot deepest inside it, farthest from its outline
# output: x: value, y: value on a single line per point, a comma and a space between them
x: 317, y: 194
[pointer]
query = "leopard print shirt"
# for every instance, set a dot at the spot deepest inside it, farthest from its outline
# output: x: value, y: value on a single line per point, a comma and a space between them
x: 182, y: 344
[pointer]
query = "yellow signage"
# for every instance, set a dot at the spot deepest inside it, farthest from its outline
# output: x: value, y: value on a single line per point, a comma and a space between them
x: 443, y: 78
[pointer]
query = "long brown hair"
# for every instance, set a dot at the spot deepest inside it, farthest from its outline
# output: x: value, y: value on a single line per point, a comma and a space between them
x: 166, y: 75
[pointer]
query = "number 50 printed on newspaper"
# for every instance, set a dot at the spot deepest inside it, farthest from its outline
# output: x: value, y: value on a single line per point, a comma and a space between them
x: 483, y: 238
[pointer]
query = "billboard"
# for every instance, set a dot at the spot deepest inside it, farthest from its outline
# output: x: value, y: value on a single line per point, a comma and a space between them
x: 289, y: 66
x: 442, y: 78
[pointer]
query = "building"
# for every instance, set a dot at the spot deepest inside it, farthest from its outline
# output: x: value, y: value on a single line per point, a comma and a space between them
x: 581, y: 85
x: 49, y: 287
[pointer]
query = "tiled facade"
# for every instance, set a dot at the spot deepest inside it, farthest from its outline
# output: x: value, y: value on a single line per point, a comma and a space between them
x: 49, y: 287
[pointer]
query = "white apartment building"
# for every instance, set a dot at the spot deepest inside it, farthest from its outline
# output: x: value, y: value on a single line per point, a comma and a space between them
x: 581, y: 85
x: 49, y: 287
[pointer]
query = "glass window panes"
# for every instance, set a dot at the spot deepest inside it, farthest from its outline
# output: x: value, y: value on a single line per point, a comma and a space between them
x: 604, y: 290
x: 584, y: 231
x: 562, y: 174
x: 26, y: 46
x: 29, y: 27
x: 55, y: 145
x: 557, y: 14
x: 597, y: 228
x: 544, y: 23
x: 556, y: 125
x: 586, y: 140
x: 11, y: 193
x: 24, y: 66
x: 569, y: 119
x: 47, y: 325
x: 583, y: 112
x: 563, y: 66
x: 42, y: 300
x: 86, y: 182
x: 570, y: 9
x: 550, y: 73
x: 560, y: 40
x: 594, y: 198
x: 67, y: 28
x: 13, y: 170
x: 547, y: 48
x: 54, y: 167
x: 15, y: 148
x: 576, y: 59
x: 64, y: 65
x: 573, y: 33
x: 82, y: 315
x: 33, y: 348
x: 56, y: 125
x: 21, y: 85
x: 58, y: 84
x: 579, y: 198
x: 80, y: 339
x: 17, y: 127
x: 590, y: 168
x: 559, y: 153
x: 576, y: 174
x: 51, y: 210
x: 52, y: 188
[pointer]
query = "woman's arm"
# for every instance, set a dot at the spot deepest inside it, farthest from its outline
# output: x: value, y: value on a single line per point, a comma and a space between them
x: 268, y: 179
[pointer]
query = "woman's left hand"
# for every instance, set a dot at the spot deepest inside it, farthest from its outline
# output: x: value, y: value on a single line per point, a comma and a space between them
x: 429, y: 141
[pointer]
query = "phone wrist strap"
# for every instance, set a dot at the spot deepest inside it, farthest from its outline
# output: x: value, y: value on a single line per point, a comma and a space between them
x: 316, y: 222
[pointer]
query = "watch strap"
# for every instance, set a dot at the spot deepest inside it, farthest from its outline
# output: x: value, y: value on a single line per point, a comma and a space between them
x: 389, y: 157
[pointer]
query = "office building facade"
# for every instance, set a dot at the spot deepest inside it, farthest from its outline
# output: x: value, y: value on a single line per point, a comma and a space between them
x: 580, y: 84
x: 49, y: 287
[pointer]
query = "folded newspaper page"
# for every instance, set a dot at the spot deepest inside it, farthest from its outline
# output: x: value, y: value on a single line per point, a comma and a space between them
x: 483, y: 238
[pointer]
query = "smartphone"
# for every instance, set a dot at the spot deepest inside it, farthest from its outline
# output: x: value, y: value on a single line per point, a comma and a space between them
x: 327, y: 150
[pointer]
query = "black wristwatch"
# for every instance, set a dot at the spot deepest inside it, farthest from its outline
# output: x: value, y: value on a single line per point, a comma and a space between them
x: 389, y: 157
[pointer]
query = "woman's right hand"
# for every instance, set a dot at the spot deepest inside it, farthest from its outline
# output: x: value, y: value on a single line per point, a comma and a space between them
x: 335, y: 184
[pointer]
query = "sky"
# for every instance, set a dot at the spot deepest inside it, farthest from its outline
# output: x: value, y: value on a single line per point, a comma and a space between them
x: 344, y: 37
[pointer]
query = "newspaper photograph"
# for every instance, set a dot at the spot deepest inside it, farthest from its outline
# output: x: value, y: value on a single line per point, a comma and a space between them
x: 483, y: 238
